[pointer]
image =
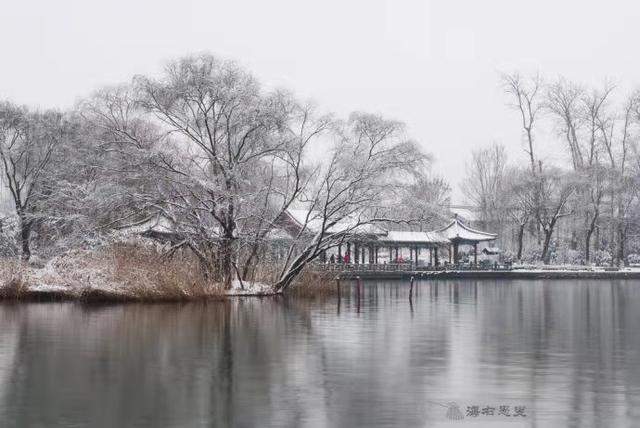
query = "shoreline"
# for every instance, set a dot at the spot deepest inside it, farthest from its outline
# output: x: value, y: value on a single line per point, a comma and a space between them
x: 495, y: 274
x: 99, y: 296
x: 45, y: 294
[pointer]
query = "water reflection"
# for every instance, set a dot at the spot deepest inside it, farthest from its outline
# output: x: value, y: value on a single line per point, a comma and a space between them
x: 568, y: 350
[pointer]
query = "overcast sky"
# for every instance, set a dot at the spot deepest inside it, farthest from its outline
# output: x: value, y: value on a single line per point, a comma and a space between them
x: 433, y: 64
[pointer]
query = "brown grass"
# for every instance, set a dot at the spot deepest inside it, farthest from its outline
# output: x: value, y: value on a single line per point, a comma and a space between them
x: 13, y: 279
x: 132, y: 273
x: 146, y: 275
x: 115, y: 274
x: 313, y: 285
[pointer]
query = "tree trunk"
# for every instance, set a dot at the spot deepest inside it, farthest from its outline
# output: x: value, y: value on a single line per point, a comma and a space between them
x: 612, y: 236
x: 545, y: 247
x: 25, y: 238
x: 227, y: 259
x: 587, y: 246
x: 587, y: 239
x: 621, y: 229
x: 622, y: 239
x: 520, y: 239
x: 307, y: 255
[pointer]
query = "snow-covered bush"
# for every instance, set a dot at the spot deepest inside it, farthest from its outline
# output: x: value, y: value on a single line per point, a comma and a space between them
x: 531, y: 255
x: 8, y: 237
x: 634, y: 259
x: 602, y: 257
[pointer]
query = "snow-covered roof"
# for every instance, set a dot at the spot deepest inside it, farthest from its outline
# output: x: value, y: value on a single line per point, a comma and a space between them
x: 458, y: 231
x: 156, y: 223
x: 465, y: 213
x: 313, y: 221
x: 277, y: 234
x: 414, y: 237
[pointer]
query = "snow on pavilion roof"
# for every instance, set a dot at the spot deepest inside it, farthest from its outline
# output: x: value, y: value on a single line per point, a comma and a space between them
x: 399, y: 237
x: 455, y: 231
x: 313, y: 222
x: 458, y: 231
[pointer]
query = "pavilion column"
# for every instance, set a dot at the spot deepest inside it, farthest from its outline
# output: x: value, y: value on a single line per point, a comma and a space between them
x: 371, y: 253
x: 363, y: 251
x: 475, y: 254
x: 356, y: 250
x: 430, y: 256
x: 376, y: 255
x: 435, y: 256
x: 349, y: 250
x: 397, y: 251
x: 390, y: 254
x: 339, y: 253
x: 455, y: 253
x: 450, y: 252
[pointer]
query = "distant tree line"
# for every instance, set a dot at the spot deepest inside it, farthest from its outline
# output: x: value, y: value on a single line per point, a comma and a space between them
x: 591, y: 188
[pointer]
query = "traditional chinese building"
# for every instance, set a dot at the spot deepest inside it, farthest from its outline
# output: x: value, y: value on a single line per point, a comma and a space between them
x: 373, y: 244
x: 457, y: 233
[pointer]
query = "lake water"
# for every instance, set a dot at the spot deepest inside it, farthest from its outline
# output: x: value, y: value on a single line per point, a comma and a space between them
x: 564, y: 353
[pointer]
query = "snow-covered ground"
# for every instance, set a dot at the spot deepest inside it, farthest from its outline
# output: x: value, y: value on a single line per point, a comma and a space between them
x: 76, y: 274
x: 250, y: 289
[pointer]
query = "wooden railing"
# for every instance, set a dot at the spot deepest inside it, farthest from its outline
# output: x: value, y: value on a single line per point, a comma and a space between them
x: 400, y: 267
x: 353, y: 267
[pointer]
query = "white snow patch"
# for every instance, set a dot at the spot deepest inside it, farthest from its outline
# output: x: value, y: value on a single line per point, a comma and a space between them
x: 250, y: 288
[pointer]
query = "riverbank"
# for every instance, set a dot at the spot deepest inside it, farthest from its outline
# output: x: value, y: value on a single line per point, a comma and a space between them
x: 129, y: 274
x: 625, y: 273
x: 122, y: 274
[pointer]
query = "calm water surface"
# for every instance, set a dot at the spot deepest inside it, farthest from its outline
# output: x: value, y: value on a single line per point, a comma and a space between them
x: 568, y: 351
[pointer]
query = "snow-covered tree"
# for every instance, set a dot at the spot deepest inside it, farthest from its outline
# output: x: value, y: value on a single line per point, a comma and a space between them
x: 29, y: 143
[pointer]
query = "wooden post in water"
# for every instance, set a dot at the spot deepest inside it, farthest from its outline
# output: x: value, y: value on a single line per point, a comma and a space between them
x: 411, y: 290
x: 358, y: 293
x: 339, y: 292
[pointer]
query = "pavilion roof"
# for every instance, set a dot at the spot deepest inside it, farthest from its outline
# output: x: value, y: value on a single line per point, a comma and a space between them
x: 460, y: 232
x: 313, y: 221
x: 456, y: 231
x: 400, y: 237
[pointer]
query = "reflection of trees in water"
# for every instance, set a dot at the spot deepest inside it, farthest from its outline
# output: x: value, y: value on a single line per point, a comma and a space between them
x: 107, y: 366
x: 561, y: 346
x: 9, y: 342
x: 159, y: 365
x: 568, y: 349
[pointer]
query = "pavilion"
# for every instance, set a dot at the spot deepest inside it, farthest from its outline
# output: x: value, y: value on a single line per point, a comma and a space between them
x: 365, y: 242
x: 414, y: 241
x: 458, y: 233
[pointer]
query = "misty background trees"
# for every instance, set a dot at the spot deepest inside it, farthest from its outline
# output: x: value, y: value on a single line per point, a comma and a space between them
x: 579, y: 206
